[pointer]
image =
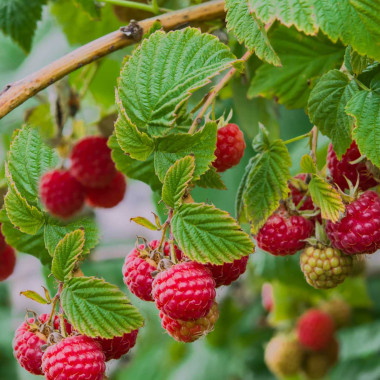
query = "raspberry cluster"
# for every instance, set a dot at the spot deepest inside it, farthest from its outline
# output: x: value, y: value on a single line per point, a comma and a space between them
x: 184, y: 291
x: 92, y: 178
x: 7, y: 258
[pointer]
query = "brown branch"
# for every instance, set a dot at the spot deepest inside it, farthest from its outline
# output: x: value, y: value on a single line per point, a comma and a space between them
x: 18, y: 92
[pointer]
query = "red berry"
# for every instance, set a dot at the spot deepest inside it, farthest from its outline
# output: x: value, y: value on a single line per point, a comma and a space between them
x: 118, y: 346
x: 284, y: 235
x: 91, y: 162
x: 61, y: 193
x: 230, y: 147
x: 77, y: 357
x: 267, y: 297
x: 27, y: 343
x: 189, y: 331
x: 7, y: 262
x: 341, y: 169
x: 228, y: 272
x: 315, y: 329
x: 109, y: 196
x: 185, y: 291
x: 359, y: 230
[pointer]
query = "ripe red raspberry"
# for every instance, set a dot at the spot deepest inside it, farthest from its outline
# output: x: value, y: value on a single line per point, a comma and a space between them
x: 359, y: 230
x: 118, y: 346
x: 228, y: 272
x: 27, y: 343
x: 315, y: 329
x: 61, y: 193
x: 185, y: 291
x: 77, y: 357
x: 190, y: 331
x: 283, y: 234
x: 91, y: 162
x: 341, y: 169
x: 267, y: 297
x: 230, y: 147
x: 109, y: 196
x: 7, y: 262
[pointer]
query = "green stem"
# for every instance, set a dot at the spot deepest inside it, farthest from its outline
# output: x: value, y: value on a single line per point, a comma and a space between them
x: 155, y: 6
x: 297, y: 138
x: 361, y: 85
x: 134, y: 5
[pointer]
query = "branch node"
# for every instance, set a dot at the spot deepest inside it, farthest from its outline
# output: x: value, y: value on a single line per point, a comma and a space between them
x: 132, y: 31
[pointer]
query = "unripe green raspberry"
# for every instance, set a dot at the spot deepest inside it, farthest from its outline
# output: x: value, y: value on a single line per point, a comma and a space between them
x: 325, y: 268
x: 284, y: 355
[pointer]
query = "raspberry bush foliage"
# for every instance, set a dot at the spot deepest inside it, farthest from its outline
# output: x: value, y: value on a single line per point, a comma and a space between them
x: 257, y: 133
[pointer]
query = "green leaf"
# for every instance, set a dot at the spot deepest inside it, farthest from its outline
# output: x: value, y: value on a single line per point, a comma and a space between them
x: 66, y: 255
x: 327, y: 103
x: 18, y: 19
x: 89, y: 6
x: 162, y: 73
x: 34, y: 296
x: 142, y: 171
x: 28, y: 159
x: 266, y: 183
x: 26, y: 218
x: 136, y: 144
x: 207, y: 234
x: 96, y: 308
x: 145, y: 223
x: 173, y: 147
x: 248, y: 29
x: 239, y: 201
x: 42, y: 119
x: 211, y: 179
x: 365, y: 108
x: 308, y: 165
x: 326, y: 198
x: 355, y: 62
x: 31, y: 244
x: 304, y: 59
x: 55, y: 231
x: 177, y: 180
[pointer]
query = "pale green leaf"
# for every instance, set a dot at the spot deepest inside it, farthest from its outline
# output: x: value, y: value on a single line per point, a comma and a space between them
x: 326, y: 198
x: 28, y: 219
x: 18, y: 19
x: 304, y: 59
x: 66, y: 255
x: 207, y: 234
x: 162, y: 73
x: 201, y: 144
x: 308, y: 165
x: 365, y: 108
x: 248, y: 29
x: 98, y: 309
x: 327, y: 103
x: 177, y: 180
x: 55, y: 231
x: 211, y: 179
x: 266, y: 184
x: 145, y: 223
x: 355, y: 62
x: 142, y: 171
x: 28, y: 159
x: 136, y: 144
x: 41, y: 118
x: 89, y: 6
x: 32, y: 295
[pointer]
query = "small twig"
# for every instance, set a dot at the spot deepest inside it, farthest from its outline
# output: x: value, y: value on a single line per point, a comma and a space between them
x: 87, y: 81
x: 314, y: 141
x: 294, y: 139
x: 134, y: 5
x: 212, y: 94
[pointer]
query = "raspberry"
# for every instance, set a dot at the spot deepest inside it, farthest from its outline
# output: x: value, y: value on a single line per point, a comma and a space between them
x: 339, y: 310
x: 315, y: 329
x: 109, y: 196
x: 190, y: 331
x: 61, y: 193
x: 185, y: 291
x: 325, y: 268
x: 77, y: 357
x: 359, y: 230
x: 7, y: 262
x: 267, y: 297
x: 28, y: 340
x: 341, y: 169
x: 230, y: 147
x: 283, y: 234
x: 118, y: 346
x: 228, y: 272
x: 91, y: 162
x: 283, y: 356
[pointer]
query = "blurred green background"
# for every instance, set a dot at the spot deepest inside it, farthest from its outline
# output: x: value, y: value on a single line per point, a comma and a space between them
x: 234, y: 351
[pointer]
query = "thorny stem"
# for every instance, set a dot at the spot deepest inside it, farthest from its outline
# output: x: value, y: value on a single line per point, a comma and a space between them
x: 212, y: 94
x: 294, y: 139
x: 314, y: 141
